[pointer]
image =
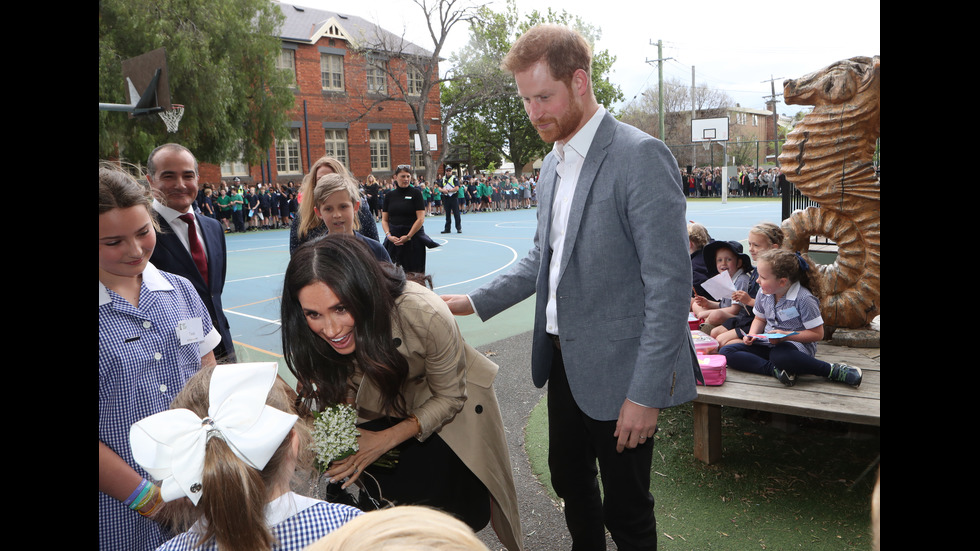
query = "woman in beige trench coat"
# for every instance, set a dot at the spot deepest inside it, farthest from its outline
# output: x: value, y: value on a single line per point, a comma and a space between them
x: 354, y: 330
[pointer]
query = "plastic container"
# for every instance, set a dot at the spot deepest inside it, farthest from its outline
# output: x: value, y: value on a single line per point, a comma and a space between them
x: 693, y: 322
x: 703, y: 343
x: 714, y: 369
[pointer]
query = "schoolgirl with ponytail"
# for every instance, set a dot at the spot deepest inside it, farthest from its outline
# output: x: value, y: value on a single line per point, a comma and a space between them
x: 231, y: 443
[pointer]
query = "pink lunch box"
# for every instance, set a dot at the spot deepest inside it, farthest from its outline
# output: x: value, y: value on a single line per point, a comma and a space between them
x: 703, y: 343
x: 713, y: 369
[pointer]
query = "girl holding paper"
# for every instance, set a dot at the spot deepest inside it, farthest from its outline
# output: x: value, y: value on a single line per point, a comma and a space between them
x: 782, y: 341
x: 722, y: 256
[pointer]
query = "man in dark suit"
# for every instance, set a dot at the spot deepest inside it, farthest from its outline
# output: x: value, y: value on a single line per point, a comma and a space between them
x: 611, y: 272
x: 189, y: 245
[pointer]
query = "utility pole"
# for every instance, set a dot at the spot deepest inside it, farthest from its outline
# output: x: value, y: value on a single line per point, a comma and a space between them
x: 775, y: 116
x: 660, y: 87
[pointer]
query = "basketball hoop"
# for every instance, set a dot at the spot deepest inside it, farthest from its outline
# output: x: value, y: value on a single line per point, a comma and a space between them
x: 171, y: 117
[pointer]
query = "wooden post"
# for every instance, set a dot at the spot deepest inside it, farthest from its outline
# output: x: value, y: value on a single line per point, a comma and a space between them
x: 707, y: 432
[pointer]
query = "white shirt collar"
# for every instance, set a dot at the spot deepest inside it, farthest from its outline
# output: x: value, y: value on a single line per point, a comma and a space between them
x: 793, y: 291
x: 152, y: 278
x: 166, y: 212
x: 582, y: 139
x: 276, y: 511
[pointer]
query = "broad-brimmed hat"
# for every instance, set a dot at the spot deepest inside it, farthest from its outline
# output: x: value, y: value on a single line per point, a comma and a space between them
x: 711, y: 250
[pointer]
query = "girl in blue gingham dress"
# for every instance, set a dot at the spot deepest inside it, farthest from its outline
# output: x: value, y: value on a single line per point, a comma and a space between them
x: 154, y: 333
x: 786, y: 305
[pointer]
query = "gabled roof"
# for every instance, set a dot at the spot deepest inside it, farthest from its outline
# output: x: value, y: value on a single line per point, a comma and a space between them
x: 308, y: 25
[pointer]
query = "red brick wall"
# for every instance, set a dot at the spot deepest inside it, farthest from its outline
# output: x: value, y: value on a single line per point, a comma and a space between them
x: 315, y: 105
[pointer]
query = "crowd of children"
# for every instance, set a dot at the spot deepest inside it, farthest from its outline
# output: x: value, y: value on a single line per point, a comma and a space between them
x: 262, y: 206
x: 771, y: 323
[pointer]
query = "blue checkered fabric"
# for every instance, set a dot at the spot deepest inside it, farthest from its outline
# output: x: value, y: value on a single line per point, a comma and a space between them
x: 796, y: 311
x: 142, y: 367
x: 293, y: 534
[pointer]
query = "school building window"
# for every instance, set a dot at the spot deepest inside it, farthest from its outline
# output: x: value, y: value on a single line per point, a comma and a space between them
x: 336, y: 145
x: 332, y: 72
x: 380, y: 150
x: 414, y: 81
x: 287, y: 153
x: 377, y: 78
x: 287, y: 62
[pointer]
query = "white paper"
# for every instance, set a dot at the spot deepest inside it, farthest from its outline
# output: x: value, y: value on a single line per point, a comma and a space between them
x: 720, y: 286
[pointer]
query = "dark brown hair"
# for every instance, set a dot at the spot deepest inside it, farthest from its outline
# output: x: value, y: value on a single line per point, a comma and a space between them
x: 368, y: 290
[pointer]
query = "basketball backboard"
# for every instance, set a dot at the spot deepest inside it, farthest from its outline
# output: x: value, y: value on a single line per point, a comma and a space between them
x: 147, y: 85
x: 709, y: 130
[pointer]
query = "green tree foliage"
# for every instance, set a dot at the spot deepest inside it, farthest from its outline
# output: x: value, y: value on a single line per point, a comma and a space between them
x: 221, y: 62
x: 498, y: 119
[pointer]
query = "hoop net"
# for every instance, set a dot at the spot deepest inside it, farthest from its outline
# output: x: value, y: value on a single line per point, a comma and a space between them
x: 171, y: 117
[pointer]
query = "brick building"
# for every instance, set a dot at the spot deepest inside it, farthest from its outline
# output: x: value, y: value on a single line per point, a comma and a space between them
x: 349, y: 100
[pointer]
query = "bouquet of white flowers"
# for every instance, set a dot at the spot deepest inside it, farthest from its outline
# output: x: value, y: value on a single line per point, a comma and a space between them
x: 334, y: 434
x: 335, y: 437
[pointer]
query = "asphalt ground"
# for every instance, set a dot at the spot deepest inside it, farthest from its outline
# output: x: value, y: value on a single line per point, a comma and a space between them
x: 490, y: 244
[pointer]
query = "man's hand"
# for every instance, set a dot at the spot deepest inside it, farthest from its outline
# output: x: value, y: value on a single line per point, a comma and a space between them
x: 459, y: 305
x: 636, y: 425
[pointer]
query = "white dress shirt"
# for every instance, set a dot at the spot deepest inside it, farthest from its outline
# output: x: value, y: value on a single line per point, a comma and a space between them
x: 178, y: 226
x: 571, y: 156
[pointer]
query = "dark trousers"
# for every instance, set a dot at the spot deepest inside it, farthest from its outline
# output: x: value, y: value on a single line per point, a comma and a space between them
x: 760, y: 359
x: 451, y: 204
x: 575, y: 444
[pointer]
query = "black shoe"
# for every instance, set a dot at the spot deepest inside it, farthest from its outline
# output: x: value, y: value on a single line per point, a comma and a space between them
x: 447, y: 231
x: 784, y: 377
x: 457, y: 231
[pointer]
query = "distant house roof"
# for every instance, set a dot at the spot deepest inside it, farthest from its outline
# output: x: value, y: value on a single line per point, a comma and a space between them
x: 308, y: 25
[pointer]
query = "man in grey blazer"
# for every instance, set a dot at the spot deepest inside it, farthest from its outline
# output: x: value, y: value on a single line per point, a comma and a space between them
x: 611, y: 271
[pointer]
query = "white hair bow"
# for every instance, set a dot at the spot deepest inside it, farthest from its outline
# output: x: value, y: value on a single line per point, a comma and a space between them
x: 170, y: 445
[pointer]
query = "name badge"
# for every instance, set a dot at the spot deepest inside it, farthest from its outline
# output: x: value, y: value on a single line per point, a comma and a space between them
x: 190, y: 331
x: 789, y: 313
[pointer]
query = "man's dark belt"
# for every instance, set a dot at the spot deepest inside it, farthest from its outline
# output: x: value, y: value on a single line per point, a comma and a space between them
x: 555, y: 340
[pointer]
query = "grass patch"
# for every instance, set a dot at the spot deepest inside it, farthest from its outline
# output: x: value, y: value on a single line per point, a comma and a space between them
x: 802, y: 486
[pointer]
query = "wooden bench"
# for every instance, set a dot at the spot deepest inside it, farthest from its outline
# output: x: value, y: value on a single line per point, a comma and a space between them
x: 810, y: 397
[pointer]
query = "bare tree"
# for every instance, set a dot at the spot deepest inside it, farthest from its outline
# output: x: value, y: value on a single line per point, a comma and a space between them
x: 413, y: 72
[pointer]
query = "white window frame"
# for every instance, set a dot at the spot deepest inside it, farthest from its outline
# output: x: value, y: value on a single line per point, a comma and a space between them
x: 377, y: 75
x: 335, y: 143
x: 414, y: 81
x: 417, y: 156
x: 332, y: 69
x: 287, y: 154
x: 380, y: 150
x: 287, y: 62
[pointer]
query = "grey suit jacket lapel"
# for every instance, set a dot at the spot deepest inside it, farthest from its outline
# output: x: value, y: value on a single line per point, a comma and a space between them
x: 586, y: 178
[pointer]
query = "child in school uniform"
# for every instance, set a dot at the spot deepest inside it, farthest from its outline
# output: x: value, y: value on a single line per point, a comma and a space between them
x: 786, y: 305
x: 154, y: 334
x: 722, y: 256
x: 762, y: 237
x: 227, y: 452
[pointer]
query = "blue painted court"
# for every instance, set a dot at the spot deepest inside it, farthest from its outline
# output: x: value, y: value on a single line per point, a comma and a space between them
x: 490, y: 243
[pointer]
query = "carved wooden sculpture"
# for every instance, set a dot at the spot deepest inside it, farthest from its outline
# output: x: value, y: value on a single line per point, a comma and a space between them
x: 828, y: 156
